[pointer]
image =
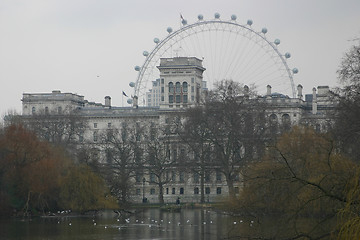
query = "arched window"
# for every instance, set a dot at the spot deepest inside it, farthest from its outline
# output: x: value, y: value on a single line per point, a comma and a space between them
x: 185, y: 87
x: 285, y: 118
x: 286, y: 122
x: 177, y: 87
x: 273, y: 119
x: 171, y: 87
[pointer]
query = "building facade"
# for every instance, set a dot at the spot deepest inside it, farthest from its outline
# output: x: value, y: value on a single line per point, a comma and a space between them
x: 180, y: 86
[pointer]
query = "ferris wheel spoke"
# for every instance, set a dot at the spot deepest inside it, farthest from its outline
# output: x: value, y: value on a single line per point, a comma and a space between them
x: 228, y: 49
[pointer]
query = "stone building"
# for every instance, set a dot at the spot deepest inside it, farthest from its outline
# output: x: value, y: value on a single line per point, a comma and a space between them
x: 180, y: 86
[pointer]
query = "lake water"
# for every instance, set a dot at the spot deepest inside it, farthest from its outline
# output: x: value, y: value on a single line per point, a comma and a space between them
x: 143, y: 224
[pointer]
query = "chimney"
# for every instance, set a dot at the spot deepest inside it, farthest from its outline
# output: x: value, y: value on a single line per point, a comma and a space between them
x: 314, y: 102
x: 299, y: 89
x: 246, y: 91
x: 135, y: 102
x: 108, y: 101
x: 268, y: 90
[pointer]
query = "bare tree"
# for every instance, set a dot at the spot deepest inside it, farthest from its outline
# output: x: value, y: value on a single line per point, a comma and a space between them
x: 231, y: 125
x: 123, y: 153
x: 302, y: 176
x: 158, y: 160
x: 347, y: 112
x: 193, y: 132
x: 63, y: 130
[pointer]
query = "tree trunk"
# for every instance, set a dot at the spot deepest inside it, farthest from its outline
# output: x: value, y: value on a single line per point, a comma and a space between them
x: 230, y: 184
x: 26, y: 207
x: 161, y: 193
x: 202, y: 188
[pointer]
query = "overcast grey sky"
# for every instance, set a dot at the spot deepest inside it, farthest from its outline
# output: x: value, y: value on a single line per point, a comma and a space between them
x: 64, y: 45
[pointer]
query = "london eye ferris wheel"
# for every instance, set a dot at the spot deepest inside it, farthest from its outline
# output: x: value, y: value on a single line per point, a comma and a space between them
x: 229, y: 50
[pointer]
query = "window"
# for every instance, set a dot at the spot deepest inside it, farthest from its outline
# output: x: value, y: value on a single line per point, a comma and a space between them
x: 185, y: 87
x: 185, y: 99
x: 196, y: 190
x: 182, y: 156
x: 177, y: 87
x: 173, y: 175
x: 109, y: 125
x: 218, y: 190
x: 171, y: 87
x: 167, y: 190
x: 138, y: 177
x: 207, y: 176
x: 95, y: 136
x: 33, y: 110
x: 95, y: 125
x: 109, y: 156
x: 59, y: 110
x: 273, y: 119
x: 286, y: 122
x: 196, y: 177
x: 236, y: 177
x: 207, y: 190
x: 285, y: 118
x: 178, y: 98
x: 273, y: 124
x: 181, y: 177
x: 192, y: 89
x: 152, y: 177
x: 173, y: 191
x: 162, y: 98
x: 162, y: 81
x: 192, y: 80
x: 123, y: 134
x: 81, y: 137
x: 162, y: 89
x: 152, y: 191
x: 218, y: 175
x: 181, y: 190
x: 171, y: 98
x: 174, y: 155
x: 109, y: 135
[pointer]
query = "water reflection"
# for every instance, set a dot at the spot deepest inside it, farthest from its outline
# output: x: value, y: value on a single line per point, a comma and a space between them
x: 143, y: 224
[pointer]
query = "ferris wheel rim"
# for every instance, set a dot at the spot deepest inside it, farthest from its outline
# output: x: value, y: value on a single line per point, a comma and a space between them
x: 186, y: 27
